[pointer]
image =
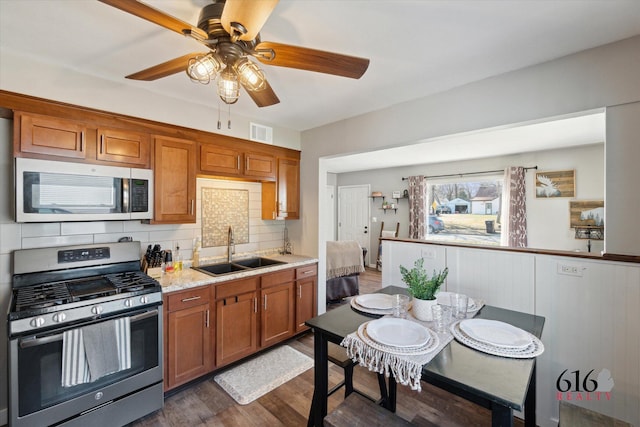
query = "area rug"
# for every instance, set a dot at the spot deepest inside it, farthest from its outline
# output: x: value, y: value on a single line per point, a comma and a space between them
x: 258, y: 376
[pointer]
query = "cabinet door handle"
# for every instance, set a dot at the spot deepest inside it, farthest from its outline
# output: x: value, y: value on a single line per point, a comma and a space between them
x: 191, y: 298
x: 265, y: 303
x: 308, y: 272
x: 206, y: 321
x: 246, y: 163
x: 255, y: 305
x: 191, y: 209
x: 82, y: 141
x: 299, y: 291
x: 238, y: 161
x: 101, y: 143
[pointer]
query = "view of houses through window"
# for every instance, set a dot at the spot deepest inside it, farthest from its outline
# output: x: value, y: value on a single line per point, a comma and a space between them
x: 465, y: 211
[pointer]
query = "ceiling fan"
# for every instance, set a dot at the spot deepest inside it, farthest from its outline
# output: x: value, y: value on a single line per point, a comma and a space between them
x: 231, y: 31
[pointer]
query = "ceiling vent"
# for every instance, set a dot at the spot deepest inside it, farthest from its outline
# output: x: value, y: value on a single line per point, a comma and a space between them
x: 260, y: 133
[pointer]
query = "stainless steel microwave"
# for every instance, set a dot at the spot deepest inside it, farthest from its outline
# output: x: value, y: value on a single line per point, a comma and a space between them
x: 51, y: 191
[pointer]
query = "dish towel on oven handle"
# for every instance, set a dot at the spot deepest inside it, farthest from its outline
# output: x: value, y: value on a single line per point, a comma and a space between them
x: 91, y: 352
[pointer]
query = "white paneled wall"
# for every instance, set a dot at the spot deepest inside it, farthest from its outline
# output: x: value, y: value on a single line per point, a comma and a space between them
x: 395, y: 254
x: 592, y: 320
x: 502, y: 279
x: 591, y: 323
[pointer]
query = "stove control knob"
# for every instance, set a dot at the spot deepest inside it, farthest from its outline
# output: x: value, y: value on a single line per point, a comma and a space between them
x: 59, y: 317
x: 144, y: 300
x: 128, y: 302
x: 97, y: 309
x: 37, y: 322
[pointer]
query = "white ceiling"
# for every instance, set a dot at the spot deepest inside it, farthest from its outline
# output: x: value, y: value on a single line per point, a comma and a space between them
x: 416, y: 48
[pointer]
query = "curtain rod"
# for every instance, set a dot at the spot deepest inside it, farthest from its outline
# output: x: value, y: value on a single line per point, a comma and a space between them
x: 469, y: 173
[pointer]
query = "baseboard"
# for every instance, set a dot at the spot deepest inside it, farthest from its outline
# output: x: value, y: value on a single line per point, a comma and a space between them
x: 4, y: 417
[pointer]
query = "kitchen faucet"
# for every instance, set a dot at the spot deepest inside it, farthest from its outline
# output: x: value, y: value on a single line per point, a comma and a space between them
x: 231, y: 246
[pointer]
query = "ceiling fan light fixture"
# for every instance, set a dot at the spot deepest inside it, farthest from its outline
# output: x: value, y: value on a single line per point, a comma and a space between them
x: 203, y: 69
x: 228, y: 87
x: 251, y: 76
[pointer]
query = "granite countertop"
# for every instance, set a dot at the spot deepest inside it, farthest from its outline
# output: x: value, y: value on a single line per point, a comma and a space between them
x: 190, y: 278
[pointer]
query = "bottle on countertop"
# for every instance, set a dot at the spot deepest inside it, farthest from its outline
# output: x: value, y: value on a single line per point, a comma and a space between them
x: 168, y: 262
x: 177, y: 262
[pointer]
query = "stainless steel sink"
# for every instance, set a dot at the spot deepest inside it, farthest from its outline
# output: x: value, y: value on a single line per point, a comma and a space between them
x: 257, y: 262
x: 236, y: 266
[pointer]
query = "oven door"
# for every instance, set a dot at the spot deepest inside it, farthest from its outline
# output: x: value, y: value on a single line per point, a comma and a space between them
x: 37, y: 396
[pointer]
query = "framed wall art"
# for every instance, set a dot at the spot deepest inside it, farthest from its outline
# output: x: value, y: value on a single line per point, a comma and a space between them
x: 586, y: 213
x: 555, y: 184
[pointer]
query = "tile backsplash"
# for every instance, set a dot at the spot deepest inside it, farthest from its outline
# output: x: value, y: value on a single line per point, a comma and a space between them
x: 223, y: 208
x: 261, y: 237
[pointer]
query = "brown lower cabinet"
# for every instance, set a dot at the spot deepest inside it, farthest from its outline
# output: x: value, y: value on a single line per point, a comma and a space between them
x: 209, y: 327
x: 236, y: 320
x: 189, y: 336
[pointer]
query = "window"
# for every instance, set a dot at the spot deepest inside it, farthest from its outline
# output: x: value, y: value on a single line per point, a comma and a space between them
x: 465, y: 211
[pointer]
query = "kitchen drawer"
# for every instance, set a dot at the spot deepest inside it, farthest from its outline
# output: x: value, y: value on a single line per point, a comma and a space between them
x: 189, y: 298
x: 306, y: 271
x: 236, y: 287
x: 278, y: 277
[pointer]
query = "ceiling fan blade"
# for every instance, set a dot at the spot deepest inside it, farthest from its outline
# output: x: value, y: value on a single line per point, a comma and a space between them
x: 251, y: 14
x: 158, y: 17
x: 314, y: 60
x: 165, y: 69
x: 264, y: 97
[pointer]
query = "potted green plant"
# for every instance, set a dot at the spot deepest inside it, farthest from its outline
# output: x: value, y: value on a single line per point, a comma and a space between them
x: 422, y: 288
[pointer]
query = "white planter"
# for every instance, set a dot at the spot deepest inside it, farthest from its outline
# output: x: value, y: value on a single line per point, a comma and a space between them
x: 422, y: 309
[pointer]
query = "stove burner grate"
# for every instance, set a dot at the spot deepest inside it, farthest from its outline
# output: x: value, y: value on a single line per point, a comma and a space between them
x: 42, y: 296
x: 131, y: 281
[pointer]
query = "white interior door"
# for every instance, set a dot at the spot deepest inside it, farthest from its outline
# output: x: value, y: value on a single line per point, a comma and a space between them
x: 353, y: 214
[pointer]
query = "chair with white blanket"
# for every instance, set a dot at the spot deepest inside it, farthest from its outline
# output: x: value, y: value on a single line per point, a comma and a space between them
x: 344, y: 265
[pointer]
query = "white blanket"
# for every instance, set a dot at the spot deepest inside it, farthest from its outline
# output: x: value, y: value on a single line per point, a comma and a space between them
x: 343, y: 258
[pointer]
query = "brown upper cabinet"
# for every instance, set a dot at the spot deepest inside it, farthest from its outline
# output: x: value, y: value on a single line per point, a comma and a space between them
x: 281, y: 199
x: 56, y: 131
x: 38, y: 136
x: 50, y: 136
x: 123, y: 146
x: 174, y: 174
x: 223, y: 161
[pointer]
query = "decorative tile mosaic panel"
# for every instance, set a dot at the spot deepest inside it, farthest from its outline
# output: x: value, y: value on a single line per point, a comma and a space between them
x: 222, y: 208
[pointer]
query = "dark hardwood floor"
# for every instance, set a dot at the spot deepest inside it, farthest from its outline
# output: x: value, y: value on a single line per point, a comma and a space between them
x: 205, y: 404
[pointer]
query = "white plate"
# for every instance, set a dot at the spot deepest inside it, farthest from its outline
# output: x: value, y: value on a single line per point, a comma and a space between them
x: 431, y: 345
x: 498, y: 334
x: 534, y: 350
x: 376, y: 301
x: 357, y: 307
x: 444, y: 299
x: 397, y: 332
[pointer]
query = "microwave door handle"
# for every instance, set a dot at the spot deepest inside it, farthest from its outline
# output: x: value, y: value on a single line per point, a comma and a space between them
x: 33, y: 341
x: 126, y: 195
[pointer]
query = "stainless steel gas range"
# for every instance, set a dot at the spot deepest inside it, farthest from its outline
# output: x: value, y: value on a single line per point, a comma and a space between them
x: 85, y: 337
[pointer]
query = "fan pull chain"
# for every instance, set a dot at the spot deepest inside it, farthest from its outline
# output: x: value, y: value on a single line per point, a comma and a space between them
x: 229, y: 118
x: 219, y: 123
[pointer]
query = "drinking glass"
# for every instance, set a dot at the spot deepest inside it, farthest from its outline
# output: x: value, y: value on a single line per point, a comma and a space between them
x: 459, y: 304
x: 400, y: 306
x: 441, y: 317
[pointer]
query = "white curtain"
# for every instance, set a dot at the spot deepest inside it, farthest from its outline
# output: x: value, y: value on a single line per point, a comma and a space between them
x: 513, y: 213
x: 417, y: 207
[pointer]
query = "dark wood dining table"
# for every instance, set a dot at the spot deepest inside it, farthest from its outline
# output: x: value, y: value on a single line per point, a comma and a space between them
x: 500, y: 384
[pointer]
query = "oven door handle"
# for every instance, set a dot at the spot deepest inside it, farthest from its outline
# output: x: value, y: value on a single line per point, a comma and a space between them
x: 33, y: 341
